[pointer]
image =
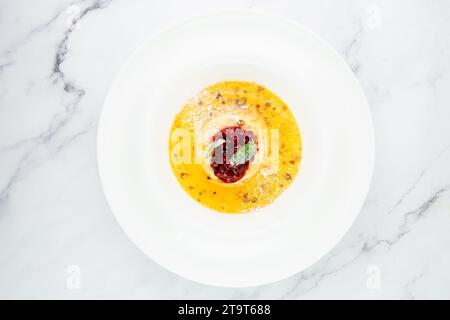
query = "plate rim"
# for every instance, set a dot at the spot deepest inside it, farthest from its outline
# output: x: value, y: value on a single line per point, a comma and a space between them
x: 251, y: 12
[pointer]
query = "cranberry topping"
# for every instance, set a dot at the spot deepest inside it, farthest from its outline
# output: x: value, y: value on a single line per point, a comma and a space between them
x: 235, y: 138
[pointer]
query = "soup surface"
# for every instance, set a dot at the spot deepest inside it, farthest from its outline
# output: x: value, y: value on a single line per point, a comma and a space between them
x: 235, y: 147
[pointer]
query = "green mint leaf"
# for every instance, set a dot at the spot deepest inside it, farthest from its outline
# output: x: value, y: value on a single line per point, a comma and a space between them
x: 245, y: 153
x: 212, y: 146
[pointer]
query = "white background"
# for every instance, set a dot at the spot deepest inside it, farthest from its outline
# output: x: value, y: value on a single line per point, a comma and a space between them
x: 58, y: 238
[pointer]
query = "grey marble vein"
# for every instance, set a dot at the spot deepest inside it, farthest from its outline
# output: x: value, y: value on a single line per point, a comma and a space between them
x: 351, y: 50
x: 317, y: 276
x: 4, y: 193
x: 409, y: 286
x: 58, y: 121
x: 418, y: 179
x: 52, y: 210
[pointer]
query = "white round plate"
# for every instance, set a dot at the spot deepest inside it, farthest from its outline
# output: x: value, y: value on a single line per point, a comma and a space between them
x: 307, y: 220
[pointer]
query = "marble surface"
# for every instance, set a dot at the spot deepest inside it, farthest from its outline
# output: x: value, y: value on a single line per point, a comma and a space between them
x: 58, y: 238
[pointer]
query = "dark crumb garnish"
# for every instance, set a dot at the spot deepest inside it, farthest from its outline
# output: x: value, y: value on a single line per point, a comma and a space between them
x: 267, y: 104
x: 208, y: 177
x: 218, y: 95
x: 241, y: 102
x: 191, y: 188
x: 183, y: 175
x: 254, y: 200
x: 245, y: 198
x: 288, y: 176
x: 214, y: 192
x: 292, y: 161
